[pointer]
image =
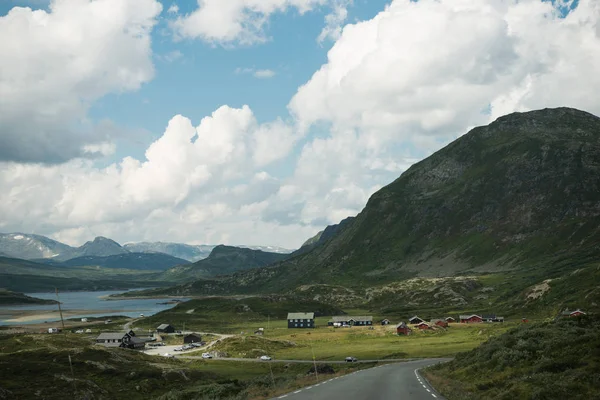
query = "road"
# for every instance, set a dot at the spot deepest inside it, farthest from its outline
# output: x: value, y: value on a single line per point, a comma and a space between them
x: 159, y: 351
x: 384, y: 382
x: 295, y: 361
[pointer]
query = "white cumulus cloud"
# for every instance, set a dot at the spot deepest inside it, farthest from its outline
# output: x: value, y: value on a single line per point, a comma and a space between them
x: 56, y: 63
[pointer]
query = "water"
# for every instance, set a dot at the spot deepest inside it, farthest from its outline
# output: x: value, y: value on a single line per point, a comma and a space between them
x: 92, y: 303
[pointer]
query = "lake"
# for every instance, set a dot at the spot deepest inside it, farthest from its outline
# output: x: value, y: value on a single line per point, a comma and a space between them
x: 93, y: 303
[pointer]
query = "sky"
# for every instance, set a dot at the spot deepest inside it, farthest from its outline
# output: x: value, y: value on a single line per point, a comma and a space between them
x: 258, y: 122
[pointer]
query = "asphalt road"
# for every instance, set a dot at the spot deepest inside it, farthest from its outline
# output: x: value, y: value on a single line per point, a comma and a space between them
x: 291, y: 361
x: 385, y: 382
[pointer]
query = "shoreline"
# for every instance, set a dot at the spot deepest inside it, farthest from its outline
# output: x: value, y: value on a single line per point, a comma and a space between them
x: 24, y: 316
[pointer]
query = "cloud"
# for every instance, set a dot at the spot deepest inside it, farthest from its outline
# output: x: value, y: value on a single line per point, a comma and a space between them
x: 235, y: 21
x: 257, y: 73
x: 171, y: 56
x: 334, y: 21
x: 57, y: 63
x: 393, y: 89
x: 173, y: 9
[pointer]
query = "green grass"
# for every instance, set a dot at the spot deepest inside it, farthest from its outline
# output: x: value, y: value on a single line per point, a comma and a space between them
x: 549, y: 360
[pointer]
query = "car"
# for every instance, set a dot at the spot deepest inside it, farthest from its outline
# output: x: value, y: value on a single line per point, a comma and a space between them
x: 160, y: 344
x: 206, y: 355
x: 168, y: 355
x: 351, y: 359
x: 178, y: 349
x: 265, y: 358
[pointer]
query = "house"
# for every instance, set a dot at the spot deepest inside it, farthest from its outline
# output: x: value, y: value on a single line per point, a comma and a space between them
x: 192, y: 338
x: 492, y: 318
x: 53, y: 330
x: 132, y: 342
x: 423, y: 326
x: 301, y: 320
x: 576, y: 313
x: 524, y: 320
x: 450, y: 320
x: 111, y: 339
x: 470, y: 319
x: 439, y: 322
x: 415, y: 320
x: 165, y: 328
x: 345, y: 320
x: 403, y: 329
x: 385, y: 321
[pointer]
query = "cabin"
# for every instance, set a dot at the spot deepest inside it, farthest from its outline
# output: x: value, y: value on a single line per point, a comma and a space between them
x: 576, y: 313
x: 423, y: 326
x: 450, y: 320
x: 165, y: 328
x: 403, y: 329
x: 192, y: 338
x: 439, y: 322
x: 492, y: 318
x: 385, y: 321
x: 53, y: 330
x: 127, y: 340
x: 524, y: 320
x: 346, y: 320
x: 470, y: 319
x: 132, y: 342
x: 415, y: 320
x: 301, y: 320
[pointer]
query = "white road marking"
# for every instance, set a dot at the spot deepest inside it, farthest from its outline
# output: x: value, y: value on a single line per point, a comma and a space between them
x: 297, y: 391
x: 428, y: 390
x: 281, y: 397
x: 310, y: 387
x: 433, y: 395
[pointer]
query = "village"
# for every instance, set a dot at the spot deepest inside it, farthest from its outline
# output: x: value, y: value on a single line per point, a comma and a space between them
x: 166, y: 338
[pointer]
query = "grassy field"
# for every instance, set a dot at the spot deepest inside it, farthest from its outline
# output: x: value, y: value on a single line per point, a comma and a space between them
x: 382, y: 342
x: 39, y: 366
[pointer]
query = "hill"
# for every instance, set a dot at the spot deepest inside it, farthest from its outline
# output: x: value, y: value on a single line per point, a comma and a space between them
x: 519, y: 197
x: 552, y: 360
x: 13, y: 298
x: 322, y: 237
x: 131, y: 261
x: 223, y: 260
x: 99, y: 247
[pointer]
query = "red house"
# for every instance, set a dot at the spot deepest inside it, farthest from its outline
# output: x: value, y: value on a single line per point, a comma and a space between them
x: 576, y: 313
x: 403, y: 329
x: 470, y: 319
x: 423, y: 326
x: 439, y: 322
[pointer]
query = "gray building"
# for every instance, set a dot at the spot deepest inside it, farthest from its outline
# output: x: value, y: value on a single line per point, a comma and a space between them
x: 346, y: 320
x: 301, y: 320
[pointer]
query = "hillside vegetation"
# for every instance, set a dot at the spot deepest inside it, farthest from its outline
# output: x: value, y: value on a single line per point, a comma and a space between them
x: 517, y: 198
x: 13, y: 298
x: 551, y: 360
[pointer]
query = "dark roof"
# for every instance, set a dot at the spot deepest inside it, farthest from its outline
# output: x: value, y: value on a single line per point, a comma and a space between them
x: 194, y: 335
x: 415, y: 317
x: 301, y: 315
x: 345, y: 318
x: 111, y: 336
x: 137, y: 340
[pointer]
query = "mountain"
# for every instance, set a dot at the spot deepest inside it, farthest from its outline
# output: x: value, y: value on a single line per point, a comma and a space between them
x: 186, y: 251
x: 323, y: 236
x: 29, y: 246
x: 190, y: 252
x: 99, y: 247
x: 507, y: 206
x: 131, y: 261
x: 223, y: 260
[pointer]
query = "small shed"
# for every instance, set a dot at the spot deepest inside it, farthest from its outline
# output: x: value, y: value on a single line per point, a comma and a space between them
x: 192, y: 338
x: 439, y: 322
x: 415, y: 320
x: 165, y: 328
x: 470, y: 319
x: 423, y: 326
x: 385, y: 321
x: 403, y: 329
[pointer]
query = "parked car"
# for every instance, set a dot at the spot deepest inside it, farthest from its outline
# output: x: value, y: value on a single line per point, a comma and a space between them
x: 265, y: 358
x: 351, y: 359
x: 178, y: 349
x: 196, y: 344
x: 206, y: 355
x: 160, y: 344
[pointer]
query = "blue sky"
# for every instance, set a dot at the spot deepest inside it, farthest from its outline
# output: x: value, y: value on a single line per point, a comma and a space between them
x: 401, y: 80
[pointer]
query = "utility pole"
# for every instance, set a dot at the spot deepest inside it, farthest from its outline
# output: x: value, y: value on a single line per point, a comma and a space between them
x: 72, y: 374
x: 60, y: 310
x: 268, y: 320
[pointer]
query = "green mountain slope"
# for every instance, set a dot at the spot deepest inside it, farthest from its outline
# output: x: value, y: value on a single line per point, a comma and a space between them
x: 223, y: 260
x: 13, y: 298
x: 519, y: 197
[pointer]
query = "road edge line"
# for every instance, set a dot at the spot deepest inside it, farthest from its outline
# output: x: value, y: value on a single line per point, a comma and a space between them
x: 434, y: 391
